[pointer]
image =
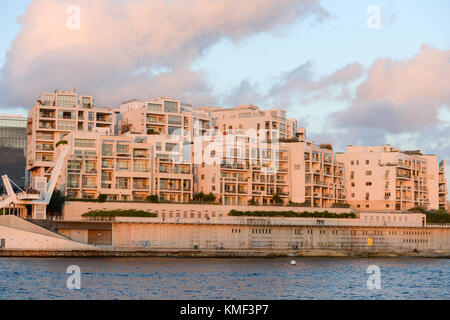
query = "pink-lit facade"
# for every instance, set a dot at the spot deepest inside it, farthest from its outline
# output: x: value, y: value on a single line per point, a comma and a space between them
x: 55, y: 115
x: 241, y: 155
x: 386, y: 178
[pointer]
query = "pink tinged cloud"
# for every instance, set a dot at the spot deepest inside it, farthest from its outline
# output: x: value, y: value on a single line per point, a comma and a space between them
x: 403, y: 95
x: 129, y: 48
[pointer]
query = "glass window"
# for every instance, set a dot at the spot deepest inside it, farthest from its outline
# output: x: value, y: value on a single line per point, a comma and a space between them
x: 154, y: 107
x: 66, y: 100
x: 170, y: 106
x: 84, y: 143
x: 66, y: 125
x: 175, y: 120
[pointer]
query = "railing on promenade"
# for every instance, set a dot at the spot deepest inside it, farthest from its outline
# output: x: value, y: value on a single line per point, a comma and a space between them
x: 255, y: 221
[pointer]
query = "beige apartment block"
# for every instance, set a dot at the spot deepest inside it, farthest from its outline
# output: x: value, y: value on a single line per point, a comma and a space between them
x: 386, y: 178
x: 164, y: 116
x: 56, y: 114
x: 243, y: 155
x: 246, y: 171
x: 127, y: 167
x: 442, y: 188
x: 273, y: 124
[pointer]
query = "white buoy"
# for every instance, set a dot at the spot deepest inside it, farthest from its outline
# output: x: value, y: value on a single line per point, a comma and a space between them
x: 293, y: 263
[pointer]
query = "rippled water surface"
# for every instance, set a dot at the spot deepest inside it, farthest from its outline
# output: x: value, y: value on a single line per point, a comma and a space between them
x: 171, y: 278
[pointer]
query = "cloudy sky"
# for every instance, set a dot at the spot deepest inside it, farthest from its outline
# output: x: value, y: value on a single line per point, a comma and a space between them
x: 326, y: 62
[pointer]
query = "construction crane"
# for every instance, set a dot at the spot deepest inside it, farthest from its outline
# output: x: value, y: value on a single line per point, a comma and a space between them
x: 42, y: 191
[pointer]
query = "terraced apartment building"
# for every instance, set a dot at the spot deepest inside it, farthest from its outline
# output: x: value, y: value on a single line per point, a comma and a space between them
x: 387, y: 178
x: 52, y: 117
x: 166, y: 148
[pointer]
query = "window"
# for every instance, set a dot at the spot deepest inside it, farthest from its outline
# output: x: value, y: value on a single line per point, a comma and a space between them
x: 172, y: 147
x: 367, y: 196
x: 174, y: 120
x: 367, y: 161
x: 353, y: 184
x: 107, y: 149
x: 140, y: 166
x: 84, y: 143
x: 154, y: 107
x: 122, y: 149
x: 174, y: 131
x: 352, y: 162
x: 122, y: 165
x: 170, y: 107
x: 66, y: 100
x: 368, y: 173
x: 66, y: 125
x: 158, y: 146
x: 368, y: 183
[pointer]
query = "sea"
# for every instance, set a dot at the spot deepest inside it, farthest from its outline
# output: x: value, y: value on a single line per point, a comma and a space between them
x: 224, y: 278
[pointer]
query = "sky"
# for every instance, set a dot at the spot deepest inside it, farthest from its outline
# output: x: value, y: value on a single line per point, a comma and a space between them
x: 323, y: 61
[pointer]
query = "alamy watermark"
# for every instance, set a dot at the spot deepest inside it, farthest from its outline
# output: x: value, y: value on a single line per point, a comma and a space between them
x: 74, y: 280
x: 374, y: 20
x: 374, y: 280
x: 73, y: 21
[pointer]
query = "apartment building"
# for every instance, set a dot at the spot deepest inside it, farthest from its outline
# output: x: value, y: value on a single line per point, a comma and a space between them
x: 386, y: 178
x: 442, y: 180
x: 126, y: 167
x: 164, y: 147
x: 272, y: 124
x: 55, y: 115
x: 164, y: 116
x: 259, y: 154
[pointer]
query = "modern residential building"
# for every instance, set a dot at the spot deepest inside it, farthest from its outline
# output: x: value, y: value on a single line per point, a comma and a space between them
x: 55, y: 115
x: 126, y: 167
x: 271, y: 124
x: 164, y: 116
x: 243, y: 155
x: 386, y: 178
x: 443, y: 203
x: 13, y: 145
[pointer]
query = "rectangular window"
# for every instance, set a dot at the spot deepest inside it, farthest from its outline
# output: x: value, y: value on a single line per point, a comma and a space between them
x: 66, y: 100
x: 175, y: 120
x: 172, y: 147
x: 107, y: 150
x: 122, y: 149
x: 140, y: 166
x: 123, y: 165
x: 67, y: 125
x: 175, y: 131
x: 84, y: 143
x: 368, y: 173
x: 154, y: 107
x: 170, y: 107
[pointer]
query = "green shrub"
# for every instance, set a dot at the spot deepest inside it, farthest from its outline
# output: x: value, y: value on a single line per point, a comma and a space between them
x: 62, y: 142
x: 120, y: 213
x: 153, y: 198
x: 102, y: 197
x: 438, y: 217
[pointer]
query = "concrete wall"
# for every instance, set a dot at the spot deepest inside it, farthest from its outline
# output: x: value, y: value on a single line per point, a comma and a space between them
x: 246, y: 237
x: 17, y: 239
x: 74, y: 209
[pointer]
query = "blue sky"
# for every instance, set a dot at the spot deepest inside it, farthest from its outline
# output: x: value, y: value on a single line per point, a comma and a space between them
x: 263, y: 59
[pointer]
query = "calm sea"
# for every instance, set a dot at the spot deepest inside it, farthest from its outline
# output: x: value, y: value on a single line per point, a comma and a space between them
x: 176, y: 278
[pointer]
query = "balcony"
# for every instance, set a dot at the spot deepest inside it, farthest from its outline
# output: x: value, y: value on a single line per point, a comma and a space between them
x: 141, y: 186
